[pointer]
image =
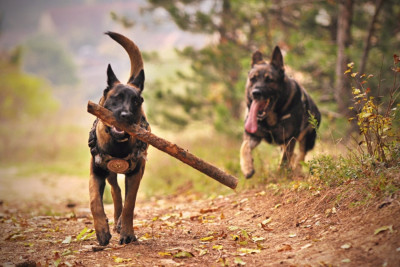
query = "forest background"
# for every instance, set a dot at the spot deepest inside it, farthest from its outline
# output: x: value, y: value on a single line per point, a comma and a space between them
x: 197, y: 55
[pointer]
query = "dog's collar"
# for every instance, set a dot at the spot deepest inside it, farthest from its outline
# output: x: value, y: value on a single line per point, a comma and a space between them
x: 118, y: 165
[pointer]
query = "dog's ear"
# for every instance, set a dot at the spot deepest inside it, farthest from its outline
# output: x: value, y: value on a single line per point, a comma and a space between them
x: 111, y: 81
x: 277, y: 59
x: 256, y: 58
x: 111, y: 78
x: 138, y: 81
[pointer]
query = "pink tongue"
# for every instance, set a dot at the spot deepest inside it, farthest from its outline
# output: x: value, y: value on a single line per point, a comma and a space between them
x: 251, y: 122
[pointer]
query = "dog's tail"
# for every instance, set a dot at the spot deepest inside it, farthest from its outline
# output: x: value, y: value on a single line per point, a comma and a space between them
x: 132, y: 50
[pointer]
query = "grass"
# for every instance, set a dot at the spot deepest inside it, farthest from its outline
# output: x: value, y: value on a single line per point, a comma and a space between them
x: 59, y: 148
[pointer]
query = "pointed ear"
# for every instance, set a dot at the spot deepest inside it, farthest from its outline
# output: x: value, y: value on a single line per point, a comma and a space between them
x: 256, y: 58
x: 277, y: 59
x: 111, y: 78
x: 138, y: 81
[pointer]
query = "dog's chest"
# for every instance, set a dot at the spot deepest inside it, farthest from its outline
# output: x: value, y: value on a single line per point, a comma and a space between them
x: 118, y: 157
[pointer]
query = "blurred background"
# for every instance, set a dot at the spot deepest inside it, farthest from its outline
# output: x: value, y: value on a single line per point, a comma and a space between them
x: 54, y: 55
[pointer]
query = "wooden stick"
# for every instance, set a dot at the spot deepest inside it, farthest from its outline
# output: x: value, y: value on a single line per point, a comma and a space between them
x: 165, y: 146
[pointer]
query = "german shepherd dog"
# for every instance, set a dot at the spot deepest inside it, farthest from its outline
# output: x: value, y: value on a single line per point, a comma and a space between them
x: 279, y: 112
x: 114, y: 151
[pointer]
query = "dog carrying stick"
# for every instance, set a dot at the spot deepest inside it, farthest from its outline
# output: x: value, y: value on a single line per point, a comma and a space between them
x: 165, y: 146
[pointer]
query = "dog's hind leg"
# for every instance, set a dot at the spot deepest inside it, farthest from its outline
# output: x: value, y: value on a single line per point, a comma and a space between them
x: 307, y: 143
x: 97, y: 183
x: 132, y: 182
x: 117, y: 199
x: 246, y: 158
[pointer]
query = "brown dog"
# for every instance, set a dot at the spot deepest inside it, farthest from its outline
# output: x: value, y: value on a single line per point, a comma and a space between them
x: 114, y: 151
x: 279, y: 112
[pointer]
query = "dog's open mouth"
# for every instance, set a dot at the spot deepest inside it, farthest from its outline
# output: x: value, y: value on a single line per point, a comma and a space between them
x: 258, y: 111
x: 118, y: 134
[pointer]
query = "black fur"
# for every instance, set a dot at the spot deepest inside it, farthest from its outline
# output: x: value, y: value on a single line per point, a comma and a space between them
x: 278, y: 111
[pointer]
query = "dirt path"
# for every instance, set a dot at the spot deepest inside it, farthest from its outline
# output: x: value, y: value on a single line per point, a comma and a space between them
x: 262, y: 227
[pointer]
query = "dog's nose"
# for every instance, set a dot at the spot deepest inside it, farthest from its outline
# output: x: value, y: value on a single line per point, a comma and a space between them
x: 125, y: 115
x: 257, y: 94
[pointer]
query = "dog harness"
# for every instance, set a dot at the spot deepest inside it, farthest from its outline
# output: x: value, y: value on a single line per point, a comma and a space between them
x: 113, y: 164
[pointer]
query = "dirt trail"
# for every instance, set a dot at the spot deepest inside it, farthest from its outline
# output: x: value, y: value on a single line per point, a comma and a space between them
x: 261, y: 227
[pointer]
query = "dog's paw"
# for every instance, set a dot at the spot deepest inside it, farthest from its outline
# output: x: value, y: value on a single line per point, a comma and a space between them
x: 249, y: 174
x: 126, y: 239
x: 103, y: 238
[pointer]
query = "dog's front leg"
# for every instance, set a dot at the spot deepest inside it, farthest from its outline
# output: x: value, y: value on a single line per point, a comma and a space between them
x: 288, y: 150
x: 117, y: 199
x: 97, y: 183
x: 132, y: 182
x: 246, y: 159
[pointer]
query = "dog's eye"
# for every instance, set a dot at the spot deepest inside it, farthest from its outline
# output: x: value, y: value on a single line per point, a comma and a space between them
x: 137, y: 101
x: 253, y: 79
x: 268, y: 79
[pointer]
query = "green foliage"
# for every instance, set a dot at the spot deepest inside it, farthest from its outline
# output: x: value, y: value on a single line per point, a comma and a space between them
x: 45, y: 57
x: 374, y: 163
x: 376, y: 127
x: 307, y: 31
x: 22, y: 95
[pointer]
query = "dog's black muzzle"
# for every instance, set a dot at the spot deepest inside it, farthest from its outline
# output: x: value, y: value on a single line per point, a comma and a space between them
x: 257, y: 93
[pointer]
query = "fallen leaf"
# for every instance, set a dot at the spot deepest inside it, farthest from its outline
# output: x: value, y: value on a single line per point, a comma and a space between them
x: 384, y: 228
x: 217, y: 247
x: 120, y: 260
x: 262, y: 193
x: 146, y: 236
x: 67, y: 240
x: 346, y: 260
x: 207, y: 238
x: 239, y: 261
x: 233, y: 228
x: 277, y: 206
x: 346, y: 246
x: 292, y: 235
x: 164, y: 253
x: 16, y: 236
x: 266, y: 221
x: 249, y: 250
x: 203, y: 252
x: 259, y: 246
x: 68, y: 252
x: 80, y: 235
x: 257, y: 239
x: 183, y: 254
x: 202, y: 211
x: 285, y: 247
x: 56, y: 262
x: 306, y: 246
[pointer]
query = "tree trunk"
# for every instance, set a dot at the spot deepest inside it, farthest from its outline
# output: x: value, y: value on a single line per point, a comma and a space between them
x: 371, y: 29
x: 343, y: 40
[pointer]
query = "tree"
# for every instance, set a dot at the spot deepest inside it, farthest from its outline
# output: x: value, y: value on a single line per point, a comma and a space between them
x: 22, y: 95
x: 316, y: 34
x: 343, y: 87
x: 45, y: 57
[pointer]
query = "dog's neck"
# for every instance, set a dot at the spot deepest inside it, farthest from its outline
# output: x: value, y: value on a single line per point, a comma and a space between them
x: 110, y: 146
